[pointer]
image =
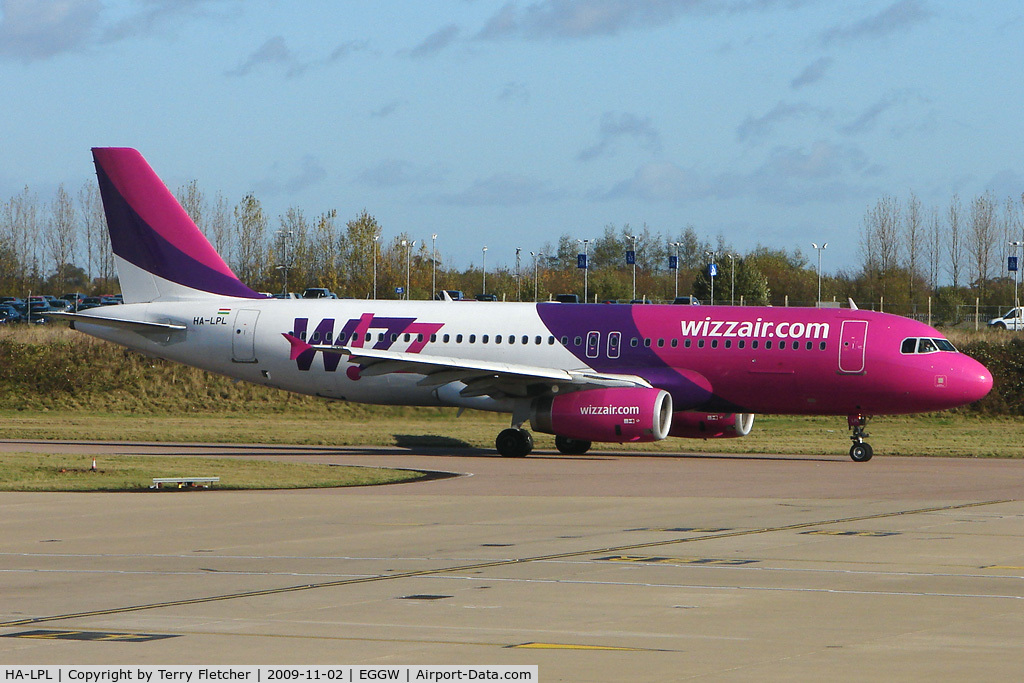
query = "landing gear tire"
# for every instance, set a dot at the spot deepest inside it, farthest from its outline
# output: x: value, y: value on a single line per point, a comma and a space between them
x: 514, y: 443
x: 861, y: 452
x: 567, y: 446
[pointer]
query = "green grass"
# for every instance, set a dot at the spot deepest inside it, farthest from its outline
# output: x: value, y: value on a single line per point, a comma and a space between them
x: 942, y: 434
x: 59, y: 384
x: 35, y: 472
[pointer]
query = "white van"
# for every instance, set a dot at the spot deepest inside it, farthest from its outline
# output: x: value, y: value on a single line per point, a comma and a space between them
x: 1013, y: 320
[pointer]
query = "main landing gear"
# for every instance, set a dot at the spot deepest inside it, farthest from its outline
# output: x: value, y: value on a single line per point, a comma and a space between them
x: 514, y: 442
x: 861, y: 450
x: 567, y: 446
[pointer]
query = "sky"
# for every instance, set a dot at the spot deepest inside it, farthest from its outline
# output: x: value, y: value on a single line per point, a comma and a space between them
x: 506, y: 124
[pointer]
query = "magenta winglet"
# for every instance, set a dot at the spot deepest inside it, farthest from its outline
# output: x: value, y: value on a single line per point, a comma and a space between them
x: 150, y: 229
x: 299, y: 347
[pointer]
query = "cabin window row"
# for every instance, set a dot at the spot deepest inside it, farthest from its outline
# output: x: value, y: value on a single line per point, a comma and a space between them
x: 578, y: 341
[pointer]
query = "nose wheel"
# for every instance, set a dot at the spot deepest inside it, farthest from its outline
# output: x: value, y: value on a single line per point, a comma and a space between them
x: 861, y: 450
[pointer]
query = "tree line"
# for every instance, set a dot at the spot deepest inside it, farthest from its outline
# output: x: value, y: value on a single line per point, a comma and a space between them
x: 950, y: 256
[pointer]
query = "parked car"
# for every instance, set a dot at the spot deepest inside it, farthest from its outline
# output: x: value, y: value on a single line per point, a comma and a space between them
x: 35, y: 312
x: 318, y: 293
x: 1013, y: 320
x: 9, y: 314
x: 453, y: 294
x: 567, y: 298
x: 61, y: 306
x: 686, y: 300
x: 76, y: 299
x: 486, y: 297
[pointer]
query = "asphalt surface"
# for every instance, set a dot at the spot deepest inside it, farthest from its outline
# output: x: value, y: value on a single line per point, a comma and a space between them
x: 604, y: 567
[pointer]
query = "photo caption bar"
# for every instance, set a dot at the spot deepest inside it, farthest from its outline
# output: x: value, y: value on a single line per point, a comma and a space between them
x: 263, y: 674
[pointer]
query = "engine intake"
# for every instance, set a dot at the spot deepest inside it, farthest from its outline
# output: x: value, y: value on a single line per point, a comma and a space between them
x: 616, y: 414
x: 711, y: 425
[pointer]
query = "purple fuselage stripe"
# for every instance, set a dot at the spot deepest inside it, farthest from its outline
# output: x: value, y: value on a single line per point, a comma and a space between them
x: 572, y: 320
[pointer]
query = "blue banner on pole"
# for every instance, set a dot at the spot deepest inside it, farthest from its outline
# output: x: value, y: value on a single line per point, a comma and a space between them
x: 399, y: 290
x: 712, y: 269
x: 673, y: 262
x: 1011, y: 264
x: 581, y: 261
x: 630, y: 257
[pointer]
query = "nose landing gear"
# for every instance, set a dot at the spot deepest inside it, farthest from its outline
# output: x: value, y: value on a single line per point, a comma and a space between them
x: 861, y: 450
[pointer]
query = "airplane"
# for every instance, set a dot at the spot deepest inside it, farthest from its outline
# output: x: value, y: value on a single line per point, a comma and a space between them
x: 583, y: 372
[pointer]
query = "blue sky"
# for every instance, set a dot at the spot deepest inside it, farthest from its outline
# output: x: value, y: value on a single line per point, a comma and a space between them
x: 506, y: 124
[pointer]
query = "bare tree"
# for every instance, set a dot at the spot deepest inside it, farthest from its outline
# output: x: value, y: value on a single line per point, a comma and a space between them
x: 934, y: 250
x: 982, y: 239
x: 60, y: 236
x: 914, y: 233
x: 193, y: 201
x: 99, y: 261
x: 955, y: 241
x: 880, y: 241
x: 250, y: 236
x: 218, y: 228
x: 291, y: 247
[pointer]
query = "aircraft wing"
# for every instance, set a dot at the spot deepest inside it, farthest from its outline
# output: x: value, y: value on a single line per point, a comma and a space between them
x: 481, y: 377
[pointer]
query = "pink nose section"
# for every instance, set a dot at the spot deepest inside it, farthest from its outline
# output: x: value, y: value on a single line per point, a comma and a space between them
x: 977, y: 381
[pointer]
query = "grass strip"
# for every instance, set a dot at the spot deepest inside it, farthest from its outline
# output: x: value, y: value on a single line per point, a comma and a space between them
x: 48, y: 472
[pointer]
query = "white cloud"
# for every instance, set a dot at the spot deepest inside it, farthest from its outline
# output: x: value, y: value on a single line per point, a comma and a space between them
x: 788, y: 176
x: 396, y: 172
x: 33, y: 30
x: 616, y: 126
x: 900, y: 16
x: 504, y: 189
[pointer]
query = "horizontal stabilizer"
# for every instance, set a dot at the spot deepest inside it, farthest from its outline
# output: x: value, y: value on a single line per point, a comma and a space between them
x: 134, y: 325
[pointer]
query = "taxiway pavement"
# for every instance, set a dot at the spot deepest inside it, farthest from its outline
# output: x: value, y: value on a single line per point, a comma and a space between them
x: 604, y: 567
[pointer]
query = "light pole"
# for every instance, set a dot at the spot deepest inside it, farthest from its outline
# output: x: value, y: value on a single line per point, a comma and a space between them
x: 820, y: 249
x: 485, y: 270
x: 586, y: 269
x: 675, y: 246
x: 376, y: 238
x: 433, y: 266
x: 732, y: 271
x: 1015, y: 244
x: 519, y: 280
x: 536, y: 257
x: 712, y: 270
x: 634, y: 238
x: 408, y: 264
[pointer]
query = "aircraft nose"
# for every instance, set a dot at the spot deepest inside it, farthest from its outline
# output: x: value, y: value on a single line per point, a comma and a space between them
x: 976, y: 380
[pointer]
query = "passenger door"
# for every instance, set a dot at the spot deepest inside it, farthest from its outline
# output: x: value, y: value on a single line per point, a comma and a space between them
x: 243, y: 336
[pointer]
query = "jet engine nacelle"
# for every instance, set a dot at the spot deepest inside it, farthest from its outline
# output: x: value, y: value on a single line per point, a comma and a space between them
x: 711, y: 425
x: 616, y: 414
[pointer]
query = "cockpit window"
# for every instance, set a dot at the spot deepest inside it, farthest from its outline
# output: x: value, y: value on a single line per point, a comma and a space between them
x: 925, y: 345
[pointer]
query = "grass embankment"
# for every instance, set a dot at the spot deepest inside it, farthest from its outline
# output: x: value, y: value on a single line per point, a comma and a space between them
x: 35, y: 472
x: 60, y: 384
